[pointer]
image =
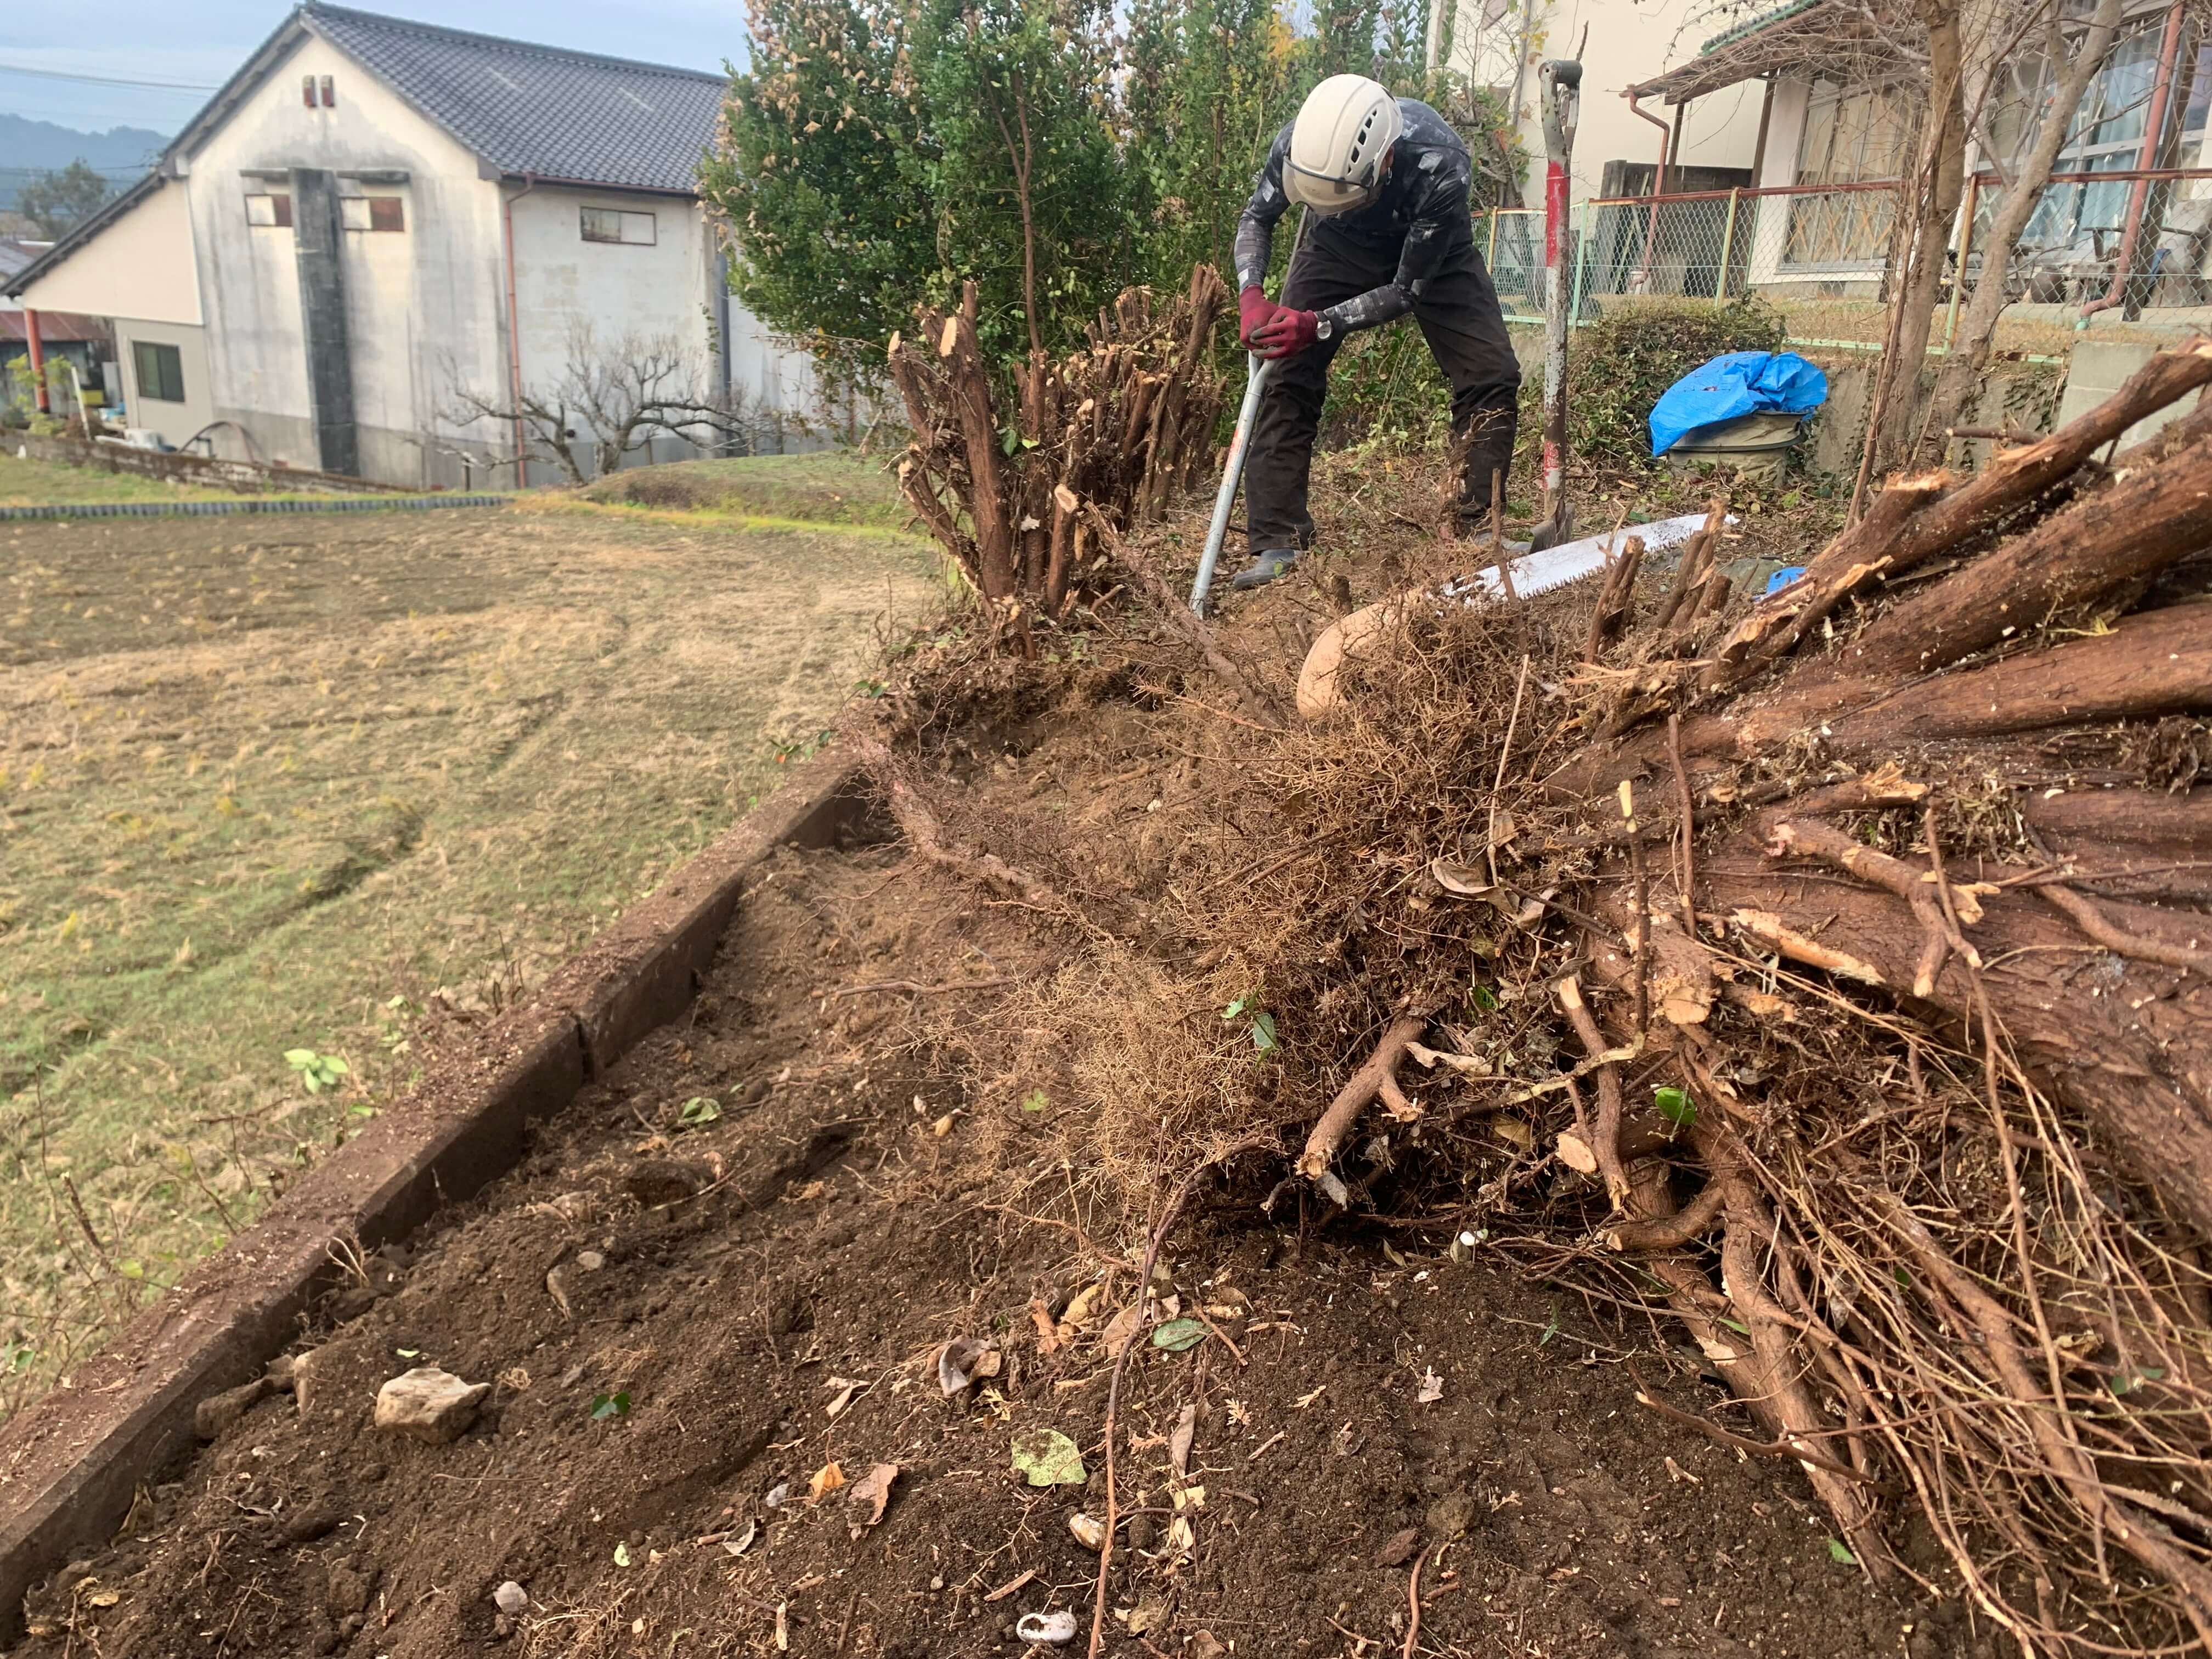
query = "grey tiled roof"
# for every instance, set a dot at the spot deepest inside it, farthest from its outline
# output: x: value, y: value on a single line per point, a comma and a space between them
x: 532, y: 109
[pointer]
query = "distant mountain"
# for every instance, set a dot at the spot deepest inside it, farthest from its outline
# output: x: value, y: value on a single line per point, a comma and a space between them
x: 27, y: 147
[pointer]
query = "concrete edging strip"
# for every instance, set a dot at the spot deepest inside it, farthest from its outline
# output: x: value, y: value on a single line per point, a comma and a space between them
x: 71, y: 1464
x: 227, y: 509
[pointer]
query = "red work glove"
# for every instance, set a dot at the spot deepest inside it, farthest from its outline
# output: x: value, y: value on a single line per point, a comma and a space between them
x: 1255, y: 311
x: 1288, y: 334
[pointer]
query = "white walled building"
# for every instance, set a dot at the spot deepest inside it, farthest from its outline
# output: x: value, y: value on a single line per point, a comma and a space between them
x: 373, y: 216
x: 1498, y: 43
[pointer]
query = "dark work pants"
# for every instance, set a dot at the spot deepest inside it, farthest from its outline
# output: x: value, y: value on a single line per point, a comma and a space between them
x: 1460, y: 319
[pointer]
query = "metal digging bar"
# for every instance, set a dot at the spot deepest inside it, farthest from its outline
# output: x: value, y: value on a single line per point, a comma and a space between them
x: 1232, y: 470
x: 1561, y: 79
x: 1232, y: 474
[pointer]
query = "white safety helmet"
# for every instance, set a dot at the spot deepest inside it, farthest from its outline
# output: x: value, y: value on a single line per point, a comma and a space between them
x: 1344, y: 130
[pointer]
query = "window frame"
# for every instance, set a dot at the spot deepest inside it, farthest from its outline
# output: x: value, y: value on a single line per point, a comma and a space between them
x: 168, y: 362
x: 625, y: 220
x: 1851, y: 227
x: 374, y: 207
x: 280, y: 209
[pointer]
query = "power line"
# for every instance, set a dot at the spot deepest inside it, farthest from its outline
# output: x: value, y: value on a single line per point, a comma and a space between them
x: 103, y: 80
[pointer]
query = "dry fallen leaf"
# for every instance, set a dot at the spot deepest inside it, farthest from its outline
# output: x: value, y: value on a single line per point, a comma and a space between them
x: 963, y: 1360
x: 1431, y: 1390
x: 1185, y: 1430
x: 1080, y: 1307
x: 846, y: 1389
x: 1121, y: 1329
x: 873, y: 1489
x: 827, y: 1478
x: 1047, y: 1332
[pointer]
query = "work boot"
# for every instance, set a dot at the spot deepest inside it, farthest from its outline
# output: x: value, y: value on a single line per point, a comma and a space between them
x: 1265, y: 568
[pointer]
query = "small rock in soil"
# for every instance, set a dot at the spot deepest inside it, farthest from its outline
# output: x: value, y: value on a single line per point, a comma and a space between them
x: 316, y: 1521
x: 590, y: 1260
x: 347, y: 1590
x: 303, y: 1379
x: 1140, y: 1532
x: 511, y: 1598
x: 666, y: 1180
x: 218, y: 1412
x: 1400, y: 1550
x: 429, y: 1405
x: 1450, y: 1514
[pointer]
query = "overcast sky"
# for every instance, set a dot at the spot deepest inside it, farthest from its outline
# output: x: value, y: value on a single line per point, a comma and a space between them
x: 199, y: 43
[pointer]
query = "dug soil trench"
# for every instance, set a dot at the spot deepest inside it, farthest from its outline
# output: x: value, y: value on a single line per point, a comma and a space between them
x: 687, y: 1313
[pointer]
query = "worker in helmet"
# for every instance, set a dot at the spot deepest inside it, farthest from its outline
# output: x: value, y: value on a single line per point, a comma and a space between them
x: 1387, y: 180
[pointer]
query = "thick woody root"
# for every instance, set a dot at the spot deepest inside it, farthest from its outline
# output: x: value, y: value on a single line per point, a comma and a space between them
x: 926, y: 836
x: 1376, y: 1079
x: 1985, y: 1297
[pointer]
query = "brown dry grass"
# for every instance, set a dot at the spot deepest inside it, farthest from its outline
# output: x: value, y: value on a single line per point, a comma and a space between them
x: 328, y: 782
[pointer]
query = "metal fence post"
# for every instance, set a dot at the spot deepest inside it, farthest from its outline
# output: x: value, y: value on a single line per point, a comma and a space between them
x: 1582, y: 264
x: 1490, y: 260
x: 1965, y: 251
x: 1728, y: 246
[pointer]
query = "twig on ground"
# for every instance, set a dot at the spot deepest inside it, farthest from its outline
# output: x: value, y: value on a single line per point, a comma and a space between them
x: 1605, y: 1133
x: 915, y: 987
x: 1687, y: 805
x: 927, y: 837
x: 1794, y: 1451
x: 1379, y: 1076
x: 1641, y: 940
x: 1504, y: 755
x: 1413, y: 1605
x: 1497, y: 536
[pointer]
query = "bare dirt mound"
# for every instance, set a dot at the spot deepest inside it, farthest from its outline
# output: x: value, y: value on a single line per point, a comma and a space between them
x: 683, y: 1326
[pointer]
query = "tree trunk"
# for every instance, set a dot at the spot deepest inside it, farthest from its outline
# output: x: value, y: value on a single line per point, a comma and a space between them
x: 1940, y: 180
x: 1959, y: 381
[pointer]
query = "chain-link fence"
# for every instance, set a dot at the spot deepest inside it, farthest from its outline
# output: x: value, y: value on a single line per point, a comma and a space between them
x: 1821, y: 256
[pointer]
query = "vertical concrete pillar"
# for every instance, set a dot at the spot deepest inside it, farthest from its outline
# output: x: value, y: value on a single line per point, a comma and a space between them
x: 320, y: 240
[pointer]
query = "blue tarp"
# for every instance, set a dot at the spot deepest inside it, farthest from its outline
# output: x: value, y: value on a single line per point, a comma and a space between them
x: 1732, y: 386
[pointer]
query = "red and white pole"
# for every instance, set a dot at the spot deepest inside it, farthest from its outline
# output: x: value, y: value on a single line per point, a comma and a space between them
x: 1560, y: 80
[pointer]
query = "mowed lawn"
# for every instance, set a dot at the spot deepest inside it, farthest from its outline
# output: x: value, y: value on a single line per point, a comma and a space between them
x: 26, y: 483
x: 317, y: 782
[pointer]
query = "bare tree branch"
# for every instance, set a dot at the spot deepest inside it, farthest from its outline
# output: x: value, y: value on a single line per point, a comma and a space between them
x: 609, y: 400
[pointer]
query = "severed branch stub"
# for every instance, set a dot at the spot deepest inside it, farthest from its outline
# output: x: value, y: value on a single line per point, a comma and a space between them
x: 1939, y: 939
x: 1376, y: 1078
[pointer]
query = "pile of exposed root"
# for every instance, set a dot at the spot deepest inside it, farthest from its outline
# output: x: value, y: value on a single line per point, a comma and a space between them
x: 1825, y: 976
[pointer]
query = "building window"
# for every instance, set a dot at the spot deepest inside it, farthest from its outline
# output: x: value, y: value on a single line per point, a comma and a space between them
x: 1850, y: 137
x: 159, y: 369
x: 330, y: 93
x: 2078, y: 226
x: 372, y: 213
x: 612, y: 225
x: 311, y: 85
x: 307, y: 90
x: 268, y: 208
